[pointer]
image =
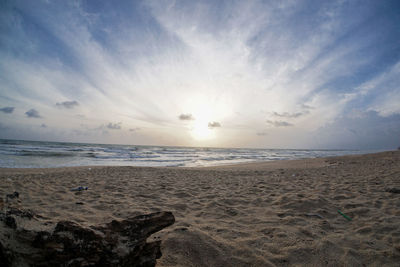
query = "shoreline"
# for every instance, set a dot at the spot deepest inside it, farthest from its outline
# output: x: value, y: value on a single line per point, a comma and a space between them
x: 290, y: 163
x: 53, y: 155
x: 274, y: 213
x: 282, y: 163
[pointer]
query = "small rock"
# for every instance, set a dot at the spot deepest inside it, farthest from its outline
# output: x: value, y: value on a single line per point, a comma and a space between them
x: 10, y: 222
x: 314, y: 215
x: 181, y: 229
x: 393, y: 190
x: 19, y: 212
x: 13, y: 195
x: 3, y: 256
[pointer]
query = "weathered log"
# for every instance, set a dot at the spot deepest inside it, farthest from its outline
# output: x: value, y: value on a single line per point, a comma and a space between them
x: 118, y: 243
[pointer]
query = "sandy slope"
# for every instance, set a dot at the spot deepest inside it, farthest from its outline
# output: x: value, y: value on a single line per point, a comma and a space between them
x: 261, y: 214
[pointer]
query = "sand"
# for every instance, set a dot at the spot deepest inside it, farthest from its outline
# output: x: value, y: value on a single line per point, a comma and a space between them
x: 259, y: 214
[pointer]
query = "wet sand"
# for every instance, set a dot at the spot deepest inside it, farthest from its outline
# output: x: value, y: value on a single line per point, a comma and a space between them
x: 258, y: 214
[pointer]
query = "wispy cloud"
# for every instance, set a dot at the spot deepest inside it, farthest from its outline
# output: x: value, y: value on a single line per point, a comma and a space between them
x: 383, y: 91
x: 142, y: 63
x: 369, y: 130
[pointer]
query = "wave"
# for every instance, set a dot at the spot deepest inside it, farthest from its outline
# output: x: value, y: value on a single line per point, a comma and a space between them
x: 22, y: 154
x: 45, y: 154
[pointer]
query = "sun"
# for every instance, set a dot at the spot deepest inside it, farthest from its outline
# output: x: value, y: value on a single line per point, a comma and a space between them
x: 200, y: 131
x: 204, y: 110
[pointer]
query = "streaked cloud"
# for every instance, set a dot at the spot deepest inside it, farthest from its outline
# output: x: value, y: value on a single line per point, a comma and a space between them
x: 369, y: 130
x: 299, y: 63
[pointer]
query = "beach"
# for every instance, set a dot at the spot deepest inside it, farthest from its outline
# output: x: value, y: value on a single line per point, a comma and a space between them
x: 278, y: 213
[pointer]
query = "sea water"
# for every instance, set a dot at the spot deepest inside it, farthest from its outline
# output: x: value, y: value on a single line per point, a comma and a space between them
x: 35, y: 154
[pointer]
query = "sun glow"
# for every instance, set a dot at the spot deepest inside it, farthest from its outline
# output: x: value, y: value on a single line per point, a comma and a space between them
x: 206, y: 114
x: 200, y: 131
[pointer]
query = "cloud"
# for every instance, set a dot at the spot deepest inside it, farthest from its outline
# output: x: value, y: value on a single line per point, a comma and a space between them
x: 370, y: 130
x: 134, y: 129
x: 289, y: 115
x: 214, y: 124
x: 43, y: 125
x: 3, y: 127
x: 7, y: 109
x: 306, y: 107
x: 32, y: 113
x: 67, y: 104
x: 186, y: 117
x: 279, y: 123
x: 114, y: 126
x: 225, y: 57
x: 384, y: 92
x: 262, y: 134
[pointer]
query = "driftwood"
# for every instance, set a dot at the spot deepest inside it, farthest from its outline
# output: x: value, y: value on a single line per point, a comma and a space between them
x: 118, y: 243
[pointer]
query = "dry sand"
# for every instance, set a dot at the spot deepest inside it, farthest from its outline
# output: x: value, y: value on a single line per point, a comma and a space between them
x: 262, y: 214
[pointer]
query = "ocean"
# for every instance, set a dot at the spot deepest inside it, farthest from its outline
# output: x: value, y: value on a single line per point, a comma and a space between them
x: 35, y: 154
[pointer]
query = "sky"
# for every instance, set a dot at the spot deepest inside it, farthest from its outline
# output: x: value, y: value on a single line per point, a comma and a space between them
x: 259, y: 74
